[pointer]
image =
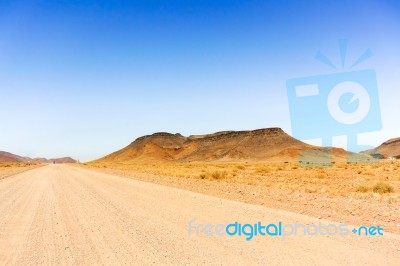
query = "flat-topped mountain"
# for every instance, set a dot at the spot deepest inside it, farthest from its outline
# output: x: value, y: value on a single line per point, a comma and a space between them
x: 261, y: 144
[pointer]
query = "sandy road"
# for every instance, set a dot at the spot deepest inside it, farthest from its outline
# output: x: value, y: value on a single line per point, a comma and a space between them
x: 62, y: 215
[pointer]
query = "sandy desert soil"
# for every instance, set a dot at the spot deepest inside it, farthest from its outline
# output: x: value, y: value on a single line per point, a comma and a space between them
x: 9, y: 169
x: 59, y: 214
x: 348, y: 193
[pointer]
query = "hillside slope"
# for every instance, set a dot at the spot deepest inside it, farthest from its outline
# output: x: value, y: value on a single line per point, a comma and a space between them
x: 390, y: 148
x: 11, y: 158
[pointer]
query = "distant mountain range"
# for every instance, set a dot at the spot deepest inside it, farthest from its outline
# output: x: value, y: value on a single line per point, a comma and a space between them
x: 269, y: 144
x: 6, y: 157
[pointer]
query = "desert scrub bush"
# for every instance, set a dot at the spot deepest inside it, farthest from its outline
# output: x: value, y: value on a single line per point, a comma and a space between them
x: 375, y: 166
x: 321, y: 173
x: 310, y: 190
x: 240, y: 167
x: 219, y: 175
x: 263, y: 170
x: 369, y: 173
x: 362, y: 189
x: 321, y: 176
x: 382, y: 187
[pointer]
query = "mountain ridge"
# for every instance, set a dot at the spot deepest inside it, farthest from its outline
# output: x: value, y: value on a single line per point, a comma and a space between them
x: 8, y: 157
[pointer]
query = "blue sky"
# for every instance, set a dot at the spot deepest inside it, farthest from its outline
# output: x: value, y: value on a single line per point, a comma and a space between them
x: 85, y: 78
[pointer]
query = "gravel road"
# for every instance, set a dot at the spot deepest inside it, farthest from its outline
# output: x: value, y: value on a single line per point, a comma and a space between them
x: 64, y: 215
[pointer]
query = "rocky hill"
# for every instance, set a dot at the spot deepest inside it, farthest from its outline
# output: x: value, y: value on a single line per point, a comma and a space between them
x: 271, y: 144
x: 388, y: 149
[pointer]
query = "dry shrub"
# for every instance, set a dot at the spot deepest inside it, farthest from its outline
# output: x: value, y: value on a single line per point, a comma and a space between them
x: 219, y: 175
x: 382, y: 188
x: 362, y: 189
x: 263, y: 170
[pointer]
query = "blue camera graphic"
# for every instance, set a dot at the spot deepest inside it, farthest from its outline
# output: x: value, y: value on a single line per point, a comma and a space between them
x: 334, y: 105
x: 325, y: 106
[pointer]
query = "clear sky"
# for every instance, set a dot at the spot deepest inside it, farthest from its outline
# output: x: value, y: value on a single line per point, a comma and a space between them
x: 85, y: 78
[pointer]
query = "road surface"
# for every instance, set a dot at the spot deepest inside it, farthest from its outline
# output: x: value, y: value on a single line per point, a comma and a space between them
x: 64, y: 215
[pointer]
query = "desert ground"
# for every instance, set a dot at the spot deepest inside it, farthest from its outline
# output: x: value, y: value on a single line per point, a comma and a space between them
x: 355, y: 193
x: 69, y: 215
x: 10, y: 169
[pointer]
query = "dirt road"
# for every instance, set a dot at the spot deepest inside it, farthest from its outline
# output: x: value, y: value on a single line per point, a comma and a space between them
x: 60, y: 214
